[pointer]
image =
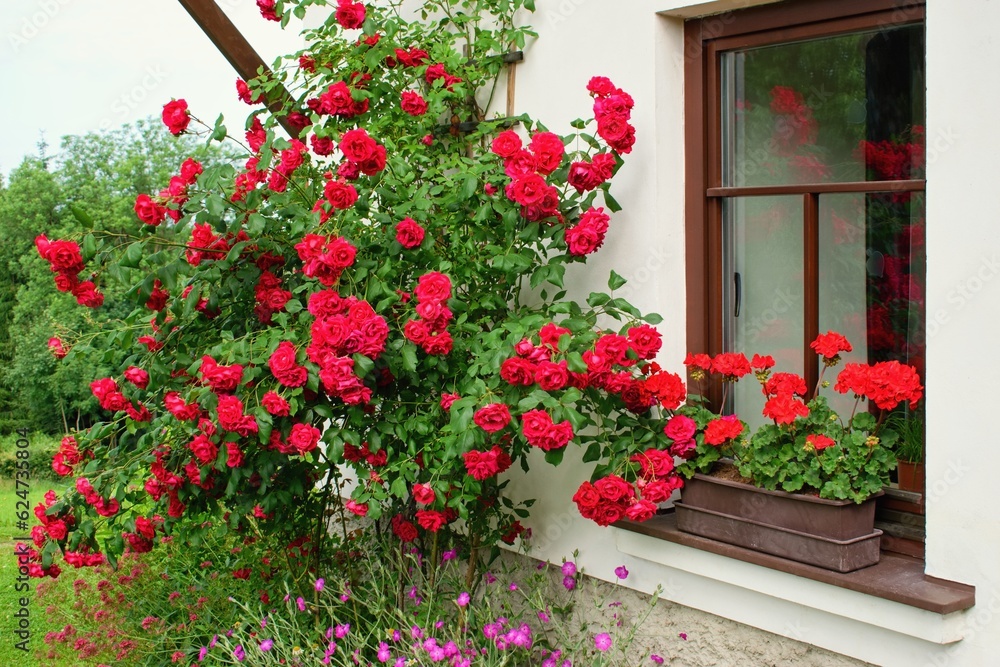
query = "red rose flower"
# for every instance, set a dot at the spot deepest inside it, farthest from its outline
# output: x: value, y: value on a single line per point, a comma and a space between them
x: 409, y: 234
x: 641, y: 510
x: 607, y: 513
x: 587, y: 498
x: 219, y: 377
x: 413, y: 104
x: 431, y: 520
x: 518, y: 371
x: 548, y: 151
x: 175, y: 116
x: 645, y: 340
x: 203, y: 449
x: 275, y: 404
x: 680, y: 427
x: 492, y: 418
x: 304, y: 437
x: 614, y: 488
x: 551, y: 376
x: 403, y: 529
x: 340, y: 195
x: 284, y: 367
x: 350, y: 15
x: 149, y: 211
x: 654, y: 462
x: 56, y: 347
x: 423, y: 494
x: 433, y: 286
x: 234, y: 456
x: 137, y: 376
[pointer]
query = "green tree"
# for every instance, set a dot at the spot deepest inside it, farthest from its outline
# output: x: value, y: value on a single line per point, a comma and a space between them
x: 100, y: 174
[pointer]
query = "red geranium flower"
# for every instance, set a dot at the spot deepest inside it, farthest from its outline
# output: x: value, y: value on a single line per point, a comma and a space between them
x: 784, y: 408
x: 830, y: 345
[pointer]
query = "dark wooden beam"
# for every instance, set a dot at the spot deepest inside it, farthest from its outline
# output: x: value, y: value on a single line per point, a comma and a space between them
x: 238, y: 51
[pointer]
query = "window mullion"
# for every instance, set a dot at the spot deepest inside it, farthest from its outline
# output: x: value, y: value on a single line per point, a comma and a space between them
x: 810, y: 285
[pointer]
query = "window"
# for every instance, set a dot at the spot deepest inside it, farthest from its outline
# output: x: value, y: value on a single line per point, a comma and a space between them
x: 805, y: 190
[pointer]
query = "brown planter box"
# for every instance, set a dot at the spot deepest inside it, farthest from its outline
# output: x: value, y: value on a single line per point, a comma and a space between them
x: 832, y: 534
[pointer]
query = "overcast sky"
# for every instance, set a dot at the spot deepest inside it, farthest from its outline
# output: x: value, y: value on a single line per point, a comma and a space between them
x: 73, y: 66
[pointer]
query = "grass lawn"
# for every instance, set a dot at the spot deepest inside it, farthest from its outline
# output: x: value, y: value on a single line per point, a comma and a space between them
x: 9, y: 597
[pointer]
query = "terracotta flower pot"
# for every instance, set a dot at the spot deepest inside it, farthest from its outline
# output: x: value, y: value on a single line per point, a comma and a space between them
x: 832, y: 534
x: 910, y: 476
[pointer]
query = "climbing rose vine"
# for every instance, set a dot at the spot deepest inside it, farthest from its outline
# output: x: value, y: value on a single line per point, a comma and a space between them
x: 373, y: 307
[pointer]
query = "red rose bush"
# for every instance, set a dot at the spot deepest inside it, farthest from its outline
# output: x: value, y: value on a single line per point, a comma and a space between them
x: 355, y: 296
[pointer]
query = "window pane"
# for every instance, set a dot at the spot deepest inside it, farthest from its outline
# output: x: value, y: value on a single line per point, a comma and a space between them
x: 763, y: 241
x: 844, y: 108
x: 872, y: 276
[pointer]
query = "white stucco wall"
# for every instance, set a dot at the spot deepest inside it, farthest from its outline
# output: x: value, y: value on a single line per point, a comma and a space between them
x: 643, y: 53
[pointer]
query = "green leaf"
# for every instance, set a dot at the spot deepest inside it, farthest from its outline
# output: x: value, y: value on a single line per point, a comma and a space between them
x: 597, y: 299
x: 612, y: 203
x: 469, y: 187
x: 593, y: 453
x: 89, y: 248
x: 409, y: 354
x: 133, y: 255
x: 555, y: 456
x: 82, y: 217
x: 615, y: 281
x: 219, y: 132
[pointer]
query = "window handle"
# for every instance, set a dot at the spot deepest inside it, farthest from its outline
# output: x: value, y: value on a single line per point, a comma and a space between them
x: 738, y: 284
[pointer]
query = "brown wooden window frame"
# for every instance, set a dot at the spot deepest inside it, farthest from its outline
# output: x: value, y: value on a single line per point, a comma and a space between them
x: 704, y: 191
x: 898, y: 576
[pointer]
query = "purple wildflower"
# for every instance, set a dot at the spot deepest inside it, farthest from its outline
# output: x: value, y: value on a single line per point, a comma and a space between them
x: 267, y: 645
x: 300, y: 603
x: 602, y: 642
x: 320, y: 583
x: 383, y: 652
x: 342, y: 630
x: 569, y: 568
x: 239, y: 653
x: 657, y: 659
x: 621, y: 572
x: 569, y: 582
x: 463, y: 599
